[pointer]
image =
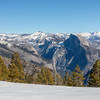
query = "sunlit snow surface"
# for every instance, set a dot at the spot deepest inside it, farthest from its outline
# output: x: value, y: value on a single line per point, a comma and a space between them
x: 15, y: 91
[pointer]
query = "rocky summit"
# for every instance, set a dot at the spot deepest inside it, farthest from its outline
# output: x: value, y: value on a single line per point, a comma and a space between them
x: 62, y: 51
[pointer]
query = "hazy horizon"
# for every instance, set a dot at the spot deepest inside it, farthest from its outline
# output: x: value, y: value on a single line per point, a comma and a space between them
x: 51, y: 32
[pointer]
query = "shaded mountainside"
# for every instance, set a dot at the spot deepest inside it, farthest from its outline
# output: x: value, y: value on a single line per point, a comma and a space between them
x: 76, y: 54
x: 65, y: 51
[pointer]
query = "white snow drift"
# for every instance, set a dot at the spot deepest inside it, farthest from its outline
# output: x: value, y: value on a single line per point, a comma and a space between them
x: 16, y: 91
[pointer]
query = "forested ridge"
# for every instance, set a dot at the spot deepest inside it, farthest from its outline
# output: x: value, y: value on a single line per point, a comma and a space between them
x: 14, y: 72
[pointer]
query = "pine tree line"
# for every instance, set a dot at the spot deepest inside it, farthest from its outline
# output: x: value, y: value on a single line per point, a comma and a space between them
x: 15, y: 73
x: 94, y: 76
x: 76, y: 78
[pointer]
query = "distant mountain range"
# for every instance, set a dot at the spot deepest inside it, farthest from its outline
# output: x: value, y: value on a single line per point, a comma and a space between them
x: 60, y: 50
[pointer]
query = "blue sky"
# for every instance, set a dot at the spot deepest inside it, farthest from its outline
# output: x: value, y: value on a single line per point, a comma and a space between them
x: 27, y: 16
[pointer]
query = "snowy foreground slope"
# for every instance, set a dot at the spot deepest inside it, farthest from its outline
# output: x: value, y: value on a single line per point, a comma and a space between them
x: 15, y: 91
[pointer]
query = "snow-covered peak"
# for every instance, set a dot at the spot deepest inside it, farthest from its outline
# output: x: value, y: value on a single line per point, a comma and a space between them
x: 39, y: 37
x: 88, y: 35
x: 60, y: 34
x: 38, y: 33
x: 97, y: 34
x: 85, y: 35
x: 35, y: 35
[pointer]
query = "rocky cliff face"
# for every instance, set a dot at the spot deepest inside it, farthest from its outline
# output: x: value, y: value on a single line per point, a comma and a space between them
x: 63, y: 50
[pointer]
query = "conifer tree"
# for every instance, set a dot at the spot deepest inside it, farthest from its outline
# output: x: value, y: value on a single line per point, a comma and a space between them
x: 3, y: 70
x: 50, y: 77
x: 13, y: 73
x: 59, y: 80
x: 45, y: 76
x: 77, y: 77
x: 17, y: 61
x: 67, y: 79
x: 94, y: 77
x: 29, y: 78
